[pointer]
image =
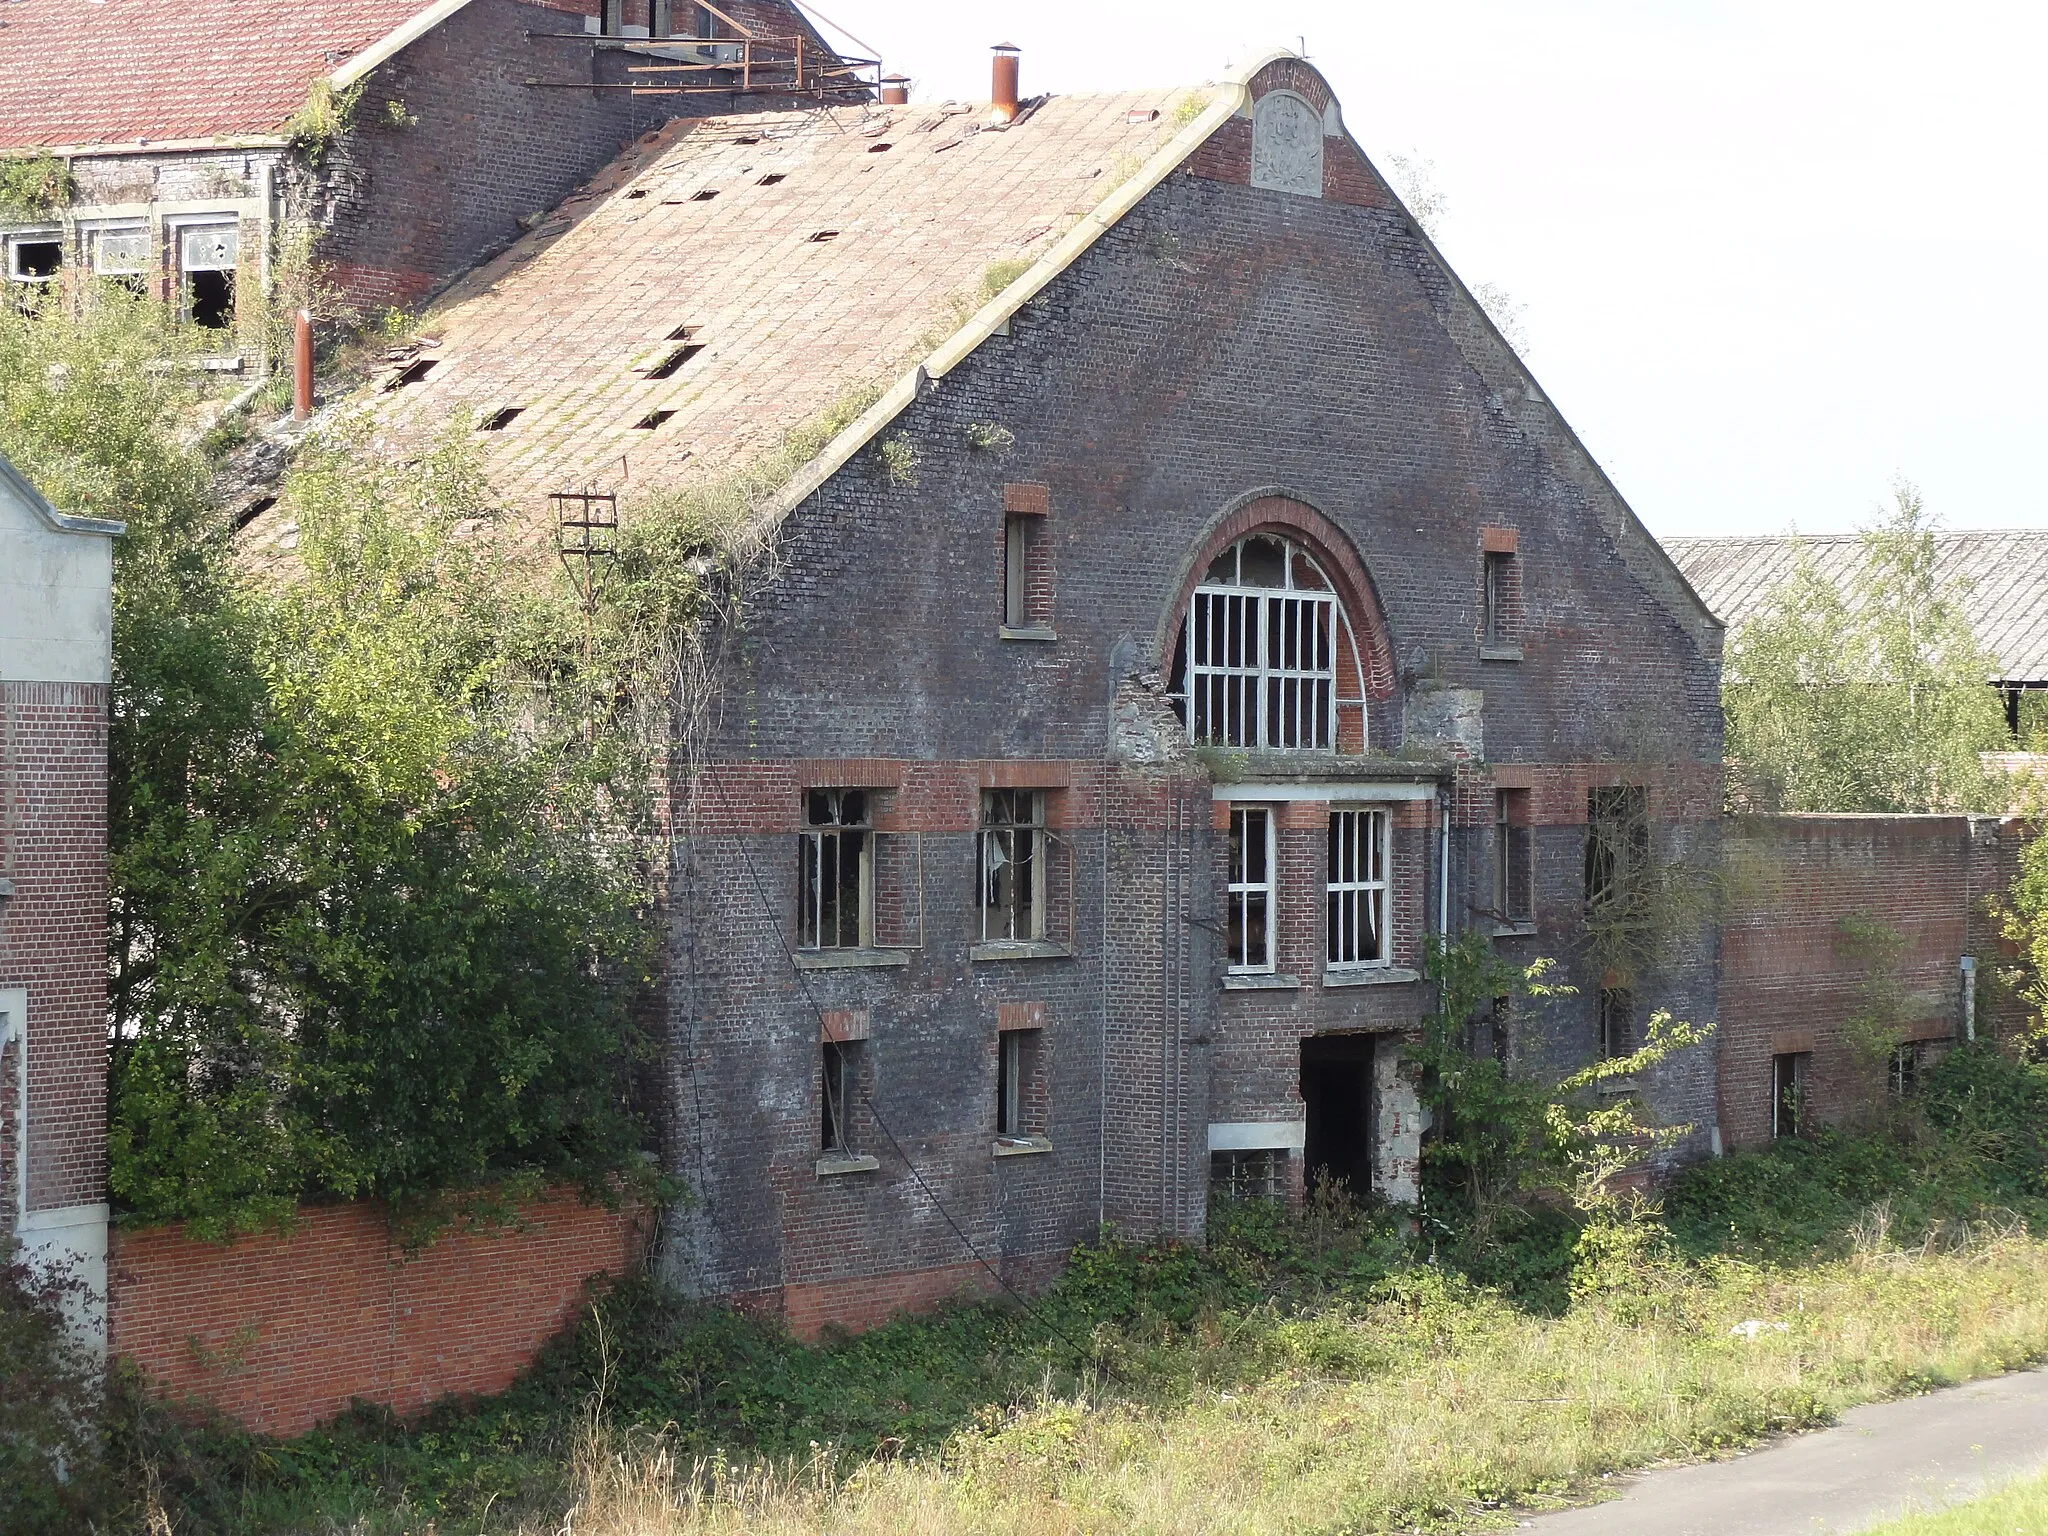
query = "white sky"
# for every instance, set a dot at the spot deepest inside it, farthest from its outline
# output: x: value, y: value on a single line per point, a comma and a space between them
x: 1769, y: 255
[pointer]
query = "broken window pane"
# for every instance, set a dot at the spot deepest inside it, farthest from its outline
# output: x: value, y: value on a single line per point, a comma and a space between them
x: 1357, y: 889
x: 840, y: 1083
x: 1251, y: 889
x: 1012, y: 864
x: 1788, y: 1094
x: 34, y: 260
x: 1257, y: 662
x: 835, y: 871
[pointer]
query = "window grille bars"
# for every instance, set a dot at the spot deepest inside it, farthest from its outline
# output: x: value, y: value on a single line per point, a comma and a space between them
x: 1251, y: 889
x: 1357, y: 889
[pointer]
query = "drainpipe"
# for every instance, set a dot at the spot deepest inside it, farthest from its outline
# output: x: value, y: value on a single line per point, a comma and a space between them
x: 1443, y: 868
x: 1969, y: 968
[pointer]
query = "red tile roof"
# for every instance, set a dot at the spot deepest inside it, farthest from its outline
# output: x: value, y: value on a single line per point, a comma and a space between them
x: 114, y: 71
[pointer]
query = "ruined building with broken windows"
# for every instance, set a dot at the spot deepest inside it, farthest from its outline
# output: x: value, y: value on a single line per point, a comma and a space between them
x: 193, y: 152
x: 1209, y: 607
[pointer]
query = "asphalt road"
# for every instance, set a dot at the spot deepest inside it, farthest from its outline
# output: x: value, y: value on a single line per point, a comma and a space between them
x: 1879, y: 1462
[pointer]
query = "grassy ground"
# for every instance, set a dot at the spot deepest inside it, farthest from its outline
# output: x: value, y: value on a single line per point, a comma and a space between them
x: 2019, y: 1509
x: 1321, y: 1373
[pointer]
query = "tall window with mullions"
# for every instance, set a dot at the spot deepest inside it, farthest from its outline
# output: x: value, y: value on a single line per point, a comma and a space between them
x: 835, y: 871
x: 1251, y: 888
x: 1011, y: 860
x: 1357, y: 889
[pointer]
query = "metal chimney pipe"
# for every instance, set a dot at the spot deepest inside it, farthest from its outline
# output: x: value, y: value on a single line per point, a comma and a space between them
x: 302, y: 367
x: 895, y: 90
x: 1003, y: 85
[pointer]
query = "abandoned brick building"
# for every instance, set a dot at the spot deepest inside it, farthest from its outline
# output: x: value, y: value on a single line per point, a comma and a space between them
x: 1209, y: 606
x: 191, y: 142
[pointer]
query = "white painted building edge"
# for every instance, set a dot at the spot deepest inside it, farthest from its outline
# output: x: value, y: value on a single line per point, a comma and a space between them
x: 1330, y: 790
x: 1258, y: 1135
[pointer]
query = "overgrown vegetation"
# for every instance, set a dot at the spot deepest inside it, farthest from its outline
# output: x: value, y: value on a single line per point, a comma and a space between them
x: 378, y: 914
x: 33, y: 186
x: 52, y: 1478
x: 1872, y: 698
x: 1314, y: 1370
x: 322, y: 119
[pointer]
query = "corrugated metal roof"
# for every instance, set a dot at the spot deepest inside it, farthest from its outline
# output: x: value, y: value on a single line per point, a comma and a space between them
x: 1998, y: 576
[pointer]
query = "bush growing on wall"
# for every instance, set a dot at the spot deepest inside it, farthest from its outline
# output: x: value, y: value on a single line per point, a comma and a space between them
x: 378, y: 922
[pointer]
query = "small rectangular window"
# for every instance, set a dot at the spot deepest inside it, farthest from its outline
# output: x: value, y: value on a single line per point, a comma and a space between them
x: 1788, y: 1094
x: 1256, y: 1174
x: 1251, y: 888
x: 1498, y: 627
x: 838, y: 1089
x: 1012, y: 865
x: 835, y: 871
x: 1514, y: 868
x: 1357, y: 889
x: 34, y: 258
x: 121, y: 257
x: 1617, y: 1009
x: 1016, y: 572
x: 1010, y: 1083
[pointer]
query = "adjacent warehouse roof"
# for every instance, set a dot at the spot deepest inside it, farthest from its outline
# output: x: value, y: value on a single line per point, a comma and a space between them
x: 1999, y: 577
x: 731, y: 278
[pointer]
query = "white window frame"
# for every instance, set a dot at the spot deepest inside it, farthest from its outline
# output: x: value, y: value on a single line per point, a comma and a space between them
x: 1247, y: 883
x: 18, y: 238
x: 816, y: 842
x: 996, y: 847
x: 1351, y: 888
x: 1262, y: 659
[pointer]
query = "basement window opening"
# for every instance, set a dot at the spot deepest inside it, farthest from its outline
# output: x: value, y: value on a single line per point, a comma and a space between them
x: 652, y: 420
x: 1259, y: 1173
x: 500, y: 419
x: 835, y: 871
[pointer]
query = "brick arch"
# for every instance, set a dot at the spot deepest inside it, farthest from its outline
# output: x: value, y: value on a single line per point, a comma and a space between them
x: 1282, y: 513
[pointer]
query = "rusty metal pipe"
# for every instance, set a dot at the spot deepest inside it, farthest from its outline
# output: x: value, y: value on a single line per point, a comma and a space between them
x: 895, y: 91
x: 1002, y: 105
x: 302, y: 367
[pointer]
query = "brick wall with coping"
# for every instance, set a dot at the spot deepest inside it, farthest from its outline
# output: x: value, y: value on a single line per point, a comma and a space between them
x: 284, y: 1331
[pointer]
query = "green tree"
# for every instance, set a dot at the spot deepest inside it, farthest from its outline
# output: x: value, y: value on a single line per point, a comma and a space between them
x: 379, y: 922
x: 1869, y: 699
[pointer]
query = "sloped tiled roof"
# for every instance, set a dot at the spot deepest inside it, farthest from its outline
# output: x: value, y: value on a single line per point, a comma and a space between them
x: 808, y: 253
x: 1999, y: 577
x: 76, y: 72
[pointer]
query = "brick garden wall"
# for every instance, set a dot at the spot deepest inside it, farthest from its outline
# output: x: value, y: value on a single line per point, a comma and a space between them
x: 1794, y: 971
x: 282, y: 1332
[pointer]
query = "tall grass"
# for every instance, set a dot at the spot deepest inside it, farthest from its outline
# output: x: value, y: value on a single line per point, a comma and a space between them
x: 1427, y: 1406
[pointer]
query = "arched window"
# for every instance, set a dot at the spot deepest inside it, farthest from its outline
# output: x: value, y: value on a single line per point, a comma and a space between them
x: 1264, y: 648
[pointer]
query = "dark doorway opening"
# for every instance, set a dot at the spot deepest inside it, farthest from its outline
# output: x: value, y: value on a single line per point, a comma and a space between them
x: 1336, y: 1087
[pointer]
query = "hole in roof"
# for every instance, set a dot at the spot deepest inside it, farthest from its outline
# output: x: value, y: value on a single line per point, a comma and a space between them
x: 823, y: 235
x: 876, y: 149
x: 652, y: 420
x: 637, y: 192
x: 254, y: 510
x: 412, y: 373
x: 500, y: 419
x: 705, y: 196
x: 681, y: 333
x: 748, y: 138
x: 674, y: 360
x: 770, y: 179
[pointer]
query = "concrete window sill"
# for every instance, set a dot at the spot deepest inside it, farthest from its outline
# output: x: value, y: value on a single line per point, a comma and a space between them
x: 1020, y: 949
x: 1259, y: 981
x: 1019, y: 1146
x: 1526, y: 929
x: 1500, y: 653
x: 1371, y: 976
x: 1029, y: 632
x: 834, y: 1163
x: 849, y: 959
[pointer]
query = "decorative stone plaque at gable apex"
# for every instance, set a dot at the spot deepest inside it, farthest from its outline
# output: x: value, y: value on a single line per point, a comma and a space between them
x: 1287, y: 145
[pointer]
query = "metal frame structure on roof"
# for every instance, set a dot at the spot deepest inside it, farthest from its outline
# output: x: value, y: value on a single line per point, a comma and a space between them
x: 745, y: 64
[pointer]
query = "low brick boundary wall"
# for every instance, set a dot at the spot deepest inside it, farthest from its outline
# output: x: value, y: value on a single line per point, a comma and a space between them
x: 282, y: 1332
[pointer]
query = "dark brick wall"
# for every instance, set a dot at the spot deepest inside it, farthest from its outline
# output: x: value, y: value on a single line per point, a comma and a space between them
x: 1221, y: 344
x: 408, y: 208
x: 1794, y: 972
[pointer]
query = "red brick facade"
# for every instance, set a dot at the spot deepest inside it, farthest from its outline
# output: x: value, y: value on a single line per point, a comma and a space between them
x: 282, y: 1332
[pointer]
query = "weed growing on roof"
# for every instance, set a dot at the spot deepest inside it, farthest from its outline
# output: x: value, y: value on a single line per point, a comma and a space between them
x: 990, y: 437
x: 321, y: 121
x: 32, y: 186
x: 899, y: 459
x: 1190, y: 107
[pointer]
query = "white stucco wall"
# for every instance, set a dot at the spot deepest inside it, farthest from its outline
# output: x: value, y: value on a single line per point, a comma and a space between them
x: 56, y: 591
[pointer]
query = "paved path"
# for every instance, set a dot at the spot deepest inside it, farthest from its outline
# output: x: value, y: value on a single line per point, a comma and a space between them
x: 1880, y: 1460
